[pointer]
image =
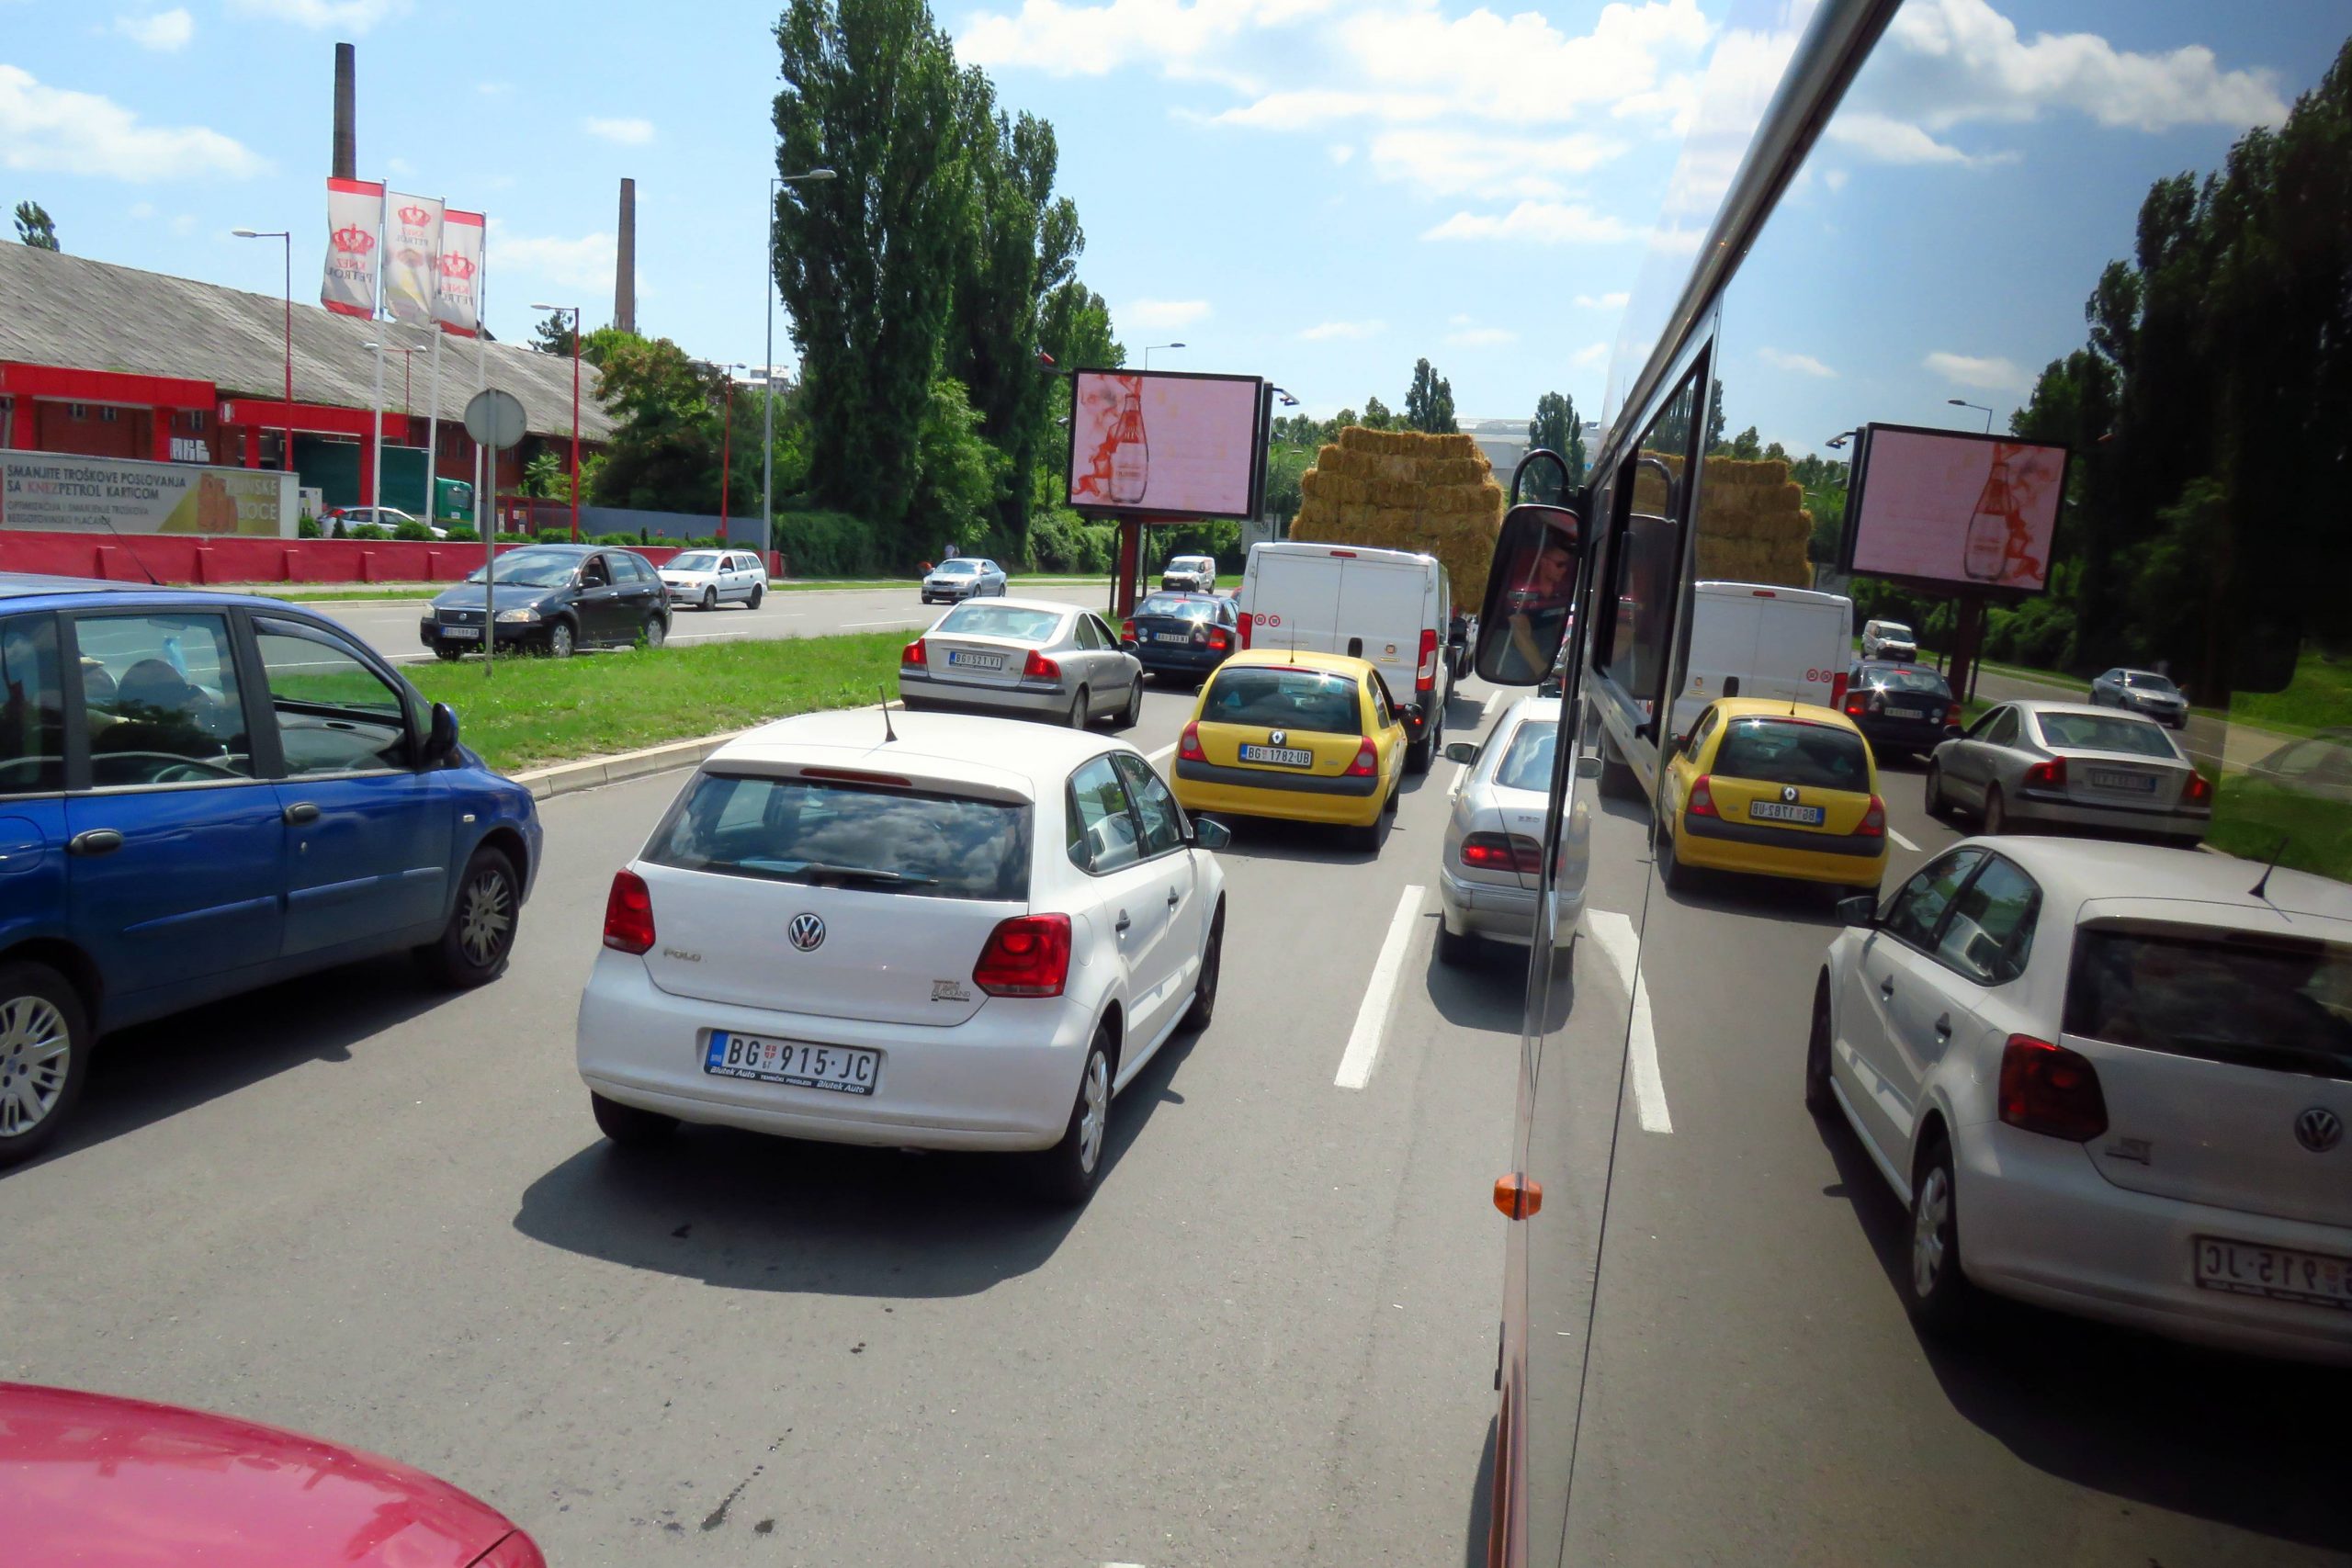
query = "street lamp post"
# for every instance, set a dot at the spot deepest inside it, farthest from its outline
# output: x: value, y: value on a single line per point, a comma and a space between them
x: 285, y: 458
x: 1979, y: 408
x: 1146, y: 352
x: 767, y: 367
x: 376, y: 433
x: 575, y: 410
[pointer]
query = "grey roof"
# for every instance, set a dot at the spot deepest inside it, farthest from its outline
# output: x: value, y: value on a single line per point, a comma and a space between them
x: 70, y: 311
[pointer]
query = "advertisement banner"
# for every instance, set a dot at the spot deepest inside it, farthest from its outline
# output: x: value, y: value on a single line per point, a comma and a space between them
x: 355, y: 208
x: 458, y: 304
x: 412, y: 257
x: 1167, y: 441
x: 98, y: 495
x: 1951, y: 509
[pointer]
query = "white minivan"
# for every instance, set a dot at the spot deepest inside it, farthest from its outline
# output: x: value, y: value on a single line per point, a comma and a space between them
x: 1391, y: 607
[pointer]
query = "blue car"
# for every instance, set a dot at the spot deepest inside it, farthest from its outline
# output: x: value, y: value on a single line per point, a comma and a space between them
x: 202, y: 794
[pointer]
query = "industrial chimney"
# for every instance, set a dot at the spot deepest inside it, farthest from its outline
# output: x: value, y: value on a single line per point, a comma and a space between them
x: 346, y: 139
x: 624, y: 270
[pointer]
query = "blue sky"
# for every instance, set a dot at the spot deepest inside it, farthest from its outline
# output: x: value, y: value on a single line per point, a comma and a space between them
x: 1312, y: 190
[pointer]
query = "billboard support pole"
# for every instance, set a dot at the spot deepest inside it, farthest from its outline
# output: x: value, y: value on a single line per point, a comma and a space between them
x: 1968, y: 639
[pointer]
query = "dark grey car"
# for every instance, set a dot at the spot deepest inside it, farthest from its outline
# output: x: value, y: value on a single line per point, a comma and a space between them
x: 554, y: 599
x: 2036, y: 766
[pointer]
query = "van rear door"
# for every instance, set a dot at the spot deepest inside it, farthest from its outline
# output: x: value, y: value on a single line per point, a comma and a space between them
x: 1296, y: 598
x: 1384, y: 607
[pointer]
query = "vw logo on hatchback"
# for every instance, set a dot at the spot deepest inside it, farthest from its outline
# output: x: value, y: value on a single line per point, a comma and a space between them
x: 807, y: 933
x: 2319, y: 1129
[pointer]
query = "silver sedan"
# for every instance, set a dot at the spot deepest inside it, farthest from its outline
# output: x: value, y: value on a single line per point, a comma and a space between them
x: 2039, y: 765
x: 2142, y: 691
x: 965, y: 577
x: 1490, y: 865
x: 1026, y: 658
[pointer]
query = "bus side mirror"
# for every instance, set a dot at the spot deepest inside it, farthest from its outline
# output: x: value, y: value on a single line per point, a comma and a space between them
x: 1532, y: 584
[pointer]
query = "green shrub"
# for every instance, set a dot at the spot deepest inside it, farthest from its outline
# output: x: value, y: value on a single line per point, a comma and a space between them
x: 462, y: 534
x: 1063, y: 541
x: 412, y: 530
x: 621, y: 540
x: 308, y: 528
x: 554, y: 536
x: 370, y: 531
x: 830, y: 544
x: 2039, y: 634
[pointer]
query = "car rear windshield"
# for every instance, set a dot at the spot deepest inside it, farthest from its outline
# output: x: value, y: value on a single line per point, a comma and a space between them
x: 1907, y: 680
x: 2257, y: 1000
x: 1527, y: 763
x: 1002, y: 620
x: 698, y: 560
x: 872, y: 837
x: 2098, y: 732
x: 1284, y: 699
x: 1792, y: 751
x: 1175, y: 606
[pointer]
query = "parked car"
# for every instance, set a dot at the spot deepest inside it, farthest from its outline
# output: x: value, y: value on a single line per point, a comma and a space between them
x: 1181, y: 636
x: 381, y: 516
x: 2144, y: 692
x: 202, y: 794
x: 1889, y: 639
x: 2320, y: 766
x: 1493, y: 850
x: 91, y: 1478
x: 2108, y: 1078
x: 1302, y: 736
x: 2029, y: 766
x: 1902, y: 709
x: 1194, y: 573
x: 554, y: 599
x: 945, y: 933
x: 1023, y: 658
x: 707, y: 579
x: 1775, y: 789
x: 963, y: 576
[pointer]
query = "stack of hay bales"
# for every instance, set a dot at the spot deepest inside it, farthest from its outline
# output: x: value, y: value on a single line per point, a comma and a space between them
x: 1753, y: 526
x: 1402, y: 490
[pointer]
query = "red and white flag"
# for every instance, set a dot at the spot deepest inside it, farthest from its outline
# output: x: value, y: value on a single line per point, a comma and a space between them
x: 458, y: 305
x: 412, y: 257
x: 354, y: 207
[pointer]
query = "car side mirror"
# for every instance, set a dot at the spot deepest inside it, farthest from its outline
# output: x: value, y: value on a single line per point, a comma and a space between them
x: 1462, y: 751
x: 1210, y: 834
x: 1861, y: 910
x: 1532, y: 584
x: 441, y: 734
x: 1589, y: 765
x: 1954, y: 732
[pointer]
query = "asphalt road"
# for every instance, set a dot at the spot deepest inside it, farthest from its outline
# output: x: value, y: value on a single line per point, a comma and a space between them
x: 389, y: 625
x: 359, y: 1207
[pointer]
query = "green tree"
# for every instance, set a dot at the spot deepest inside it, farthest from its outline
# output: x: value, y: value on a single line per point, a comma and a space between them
x: 1429, y: 402
x: 1376, y: 416
x: 35, y: 227
x: 1555, y: 428
x: 671, y: 414
x: 870, y: 262
x: 553, y: 335
x: 959, y: 475
x: 1746, y: 446
x: 1345, y: 418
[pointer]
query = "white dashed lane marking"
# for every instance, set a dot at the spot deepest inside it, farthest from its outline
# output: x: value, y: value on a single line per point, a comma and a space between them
x: 1904, y: 842
x: 1615, y: 935
x: 1380, y: 996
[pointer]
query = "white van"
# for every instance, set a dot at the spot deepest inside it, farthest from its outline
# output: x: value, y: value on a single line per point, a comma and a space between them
x: 1391, y: 607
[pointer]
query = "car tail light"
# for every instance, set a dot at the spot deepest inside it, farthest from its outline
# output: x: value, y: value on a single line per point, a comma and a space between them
x: 1027, y: 955
x: 915, y: 653
x: 1952, y: 713
x: 1367, y: 761
x: 2049, y: 1089
x: 1837, y: 690
x: 1218, y: 641
x: 1188, y: 745
x: 1037, y: 667
x: 2050, y: 775
x: 1242, y: 631
x: 1127, y: 630
x: 1873, y: 820
x: 1501, y: 851
x: 1702, y: 796
x: 1858, y: 703
x: 1427, y: 675
x: 629, y: 914
x: 2200, y: 791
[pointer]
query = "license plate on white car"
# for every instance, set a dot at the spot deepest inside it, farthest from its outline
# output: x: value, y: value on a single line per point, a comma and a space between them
x: 1283, y: 756
x: 962, y: 660
x: 1780, y: 811
x: 2281, y: 1274
x: 844, y: 1069
x: 460, y: 633
x: 2145, y: 783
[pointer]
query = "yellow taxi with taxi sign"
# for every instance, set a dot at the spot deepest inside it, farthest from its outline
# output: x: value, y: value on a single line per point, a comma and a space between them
x: 1774, y: 789
x: 1304, y: 736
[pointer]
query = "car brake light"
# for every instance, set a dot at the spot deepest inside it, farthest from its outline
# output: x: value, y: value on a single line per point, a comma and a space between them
x: 1218, y: 641
x: 629, y: 914
x: 1367, y: 761
x: 915, y: 653
x: 1037, y: 667
x: 1127, y: 630
x: 1702, y: 796
x: 1952, y: 713
x: 1858, y: 704
x: 2200, y: 791
x: 1027, y: 955
x: 1837, y: 690
x: 2050, y: 775
x: 2049, y: 1089
x: 1427, y: 675
x: 1188, y: 745
x: 1501, y: 851
x: 1873, y: 820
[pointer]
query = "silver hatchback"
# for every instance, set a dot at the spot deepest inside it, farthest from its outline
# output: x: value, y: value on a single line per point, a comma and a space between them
x: 2029, y: 765
x: 1026, y: 658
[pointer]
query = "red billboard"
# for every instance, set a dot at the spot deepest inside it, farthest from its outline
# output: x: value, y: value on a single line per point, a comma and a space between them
x: 1165, y: 443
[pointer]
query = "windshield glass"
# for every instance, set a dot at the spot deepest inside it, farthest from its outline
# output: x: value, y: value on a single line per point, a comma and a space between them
x: 1894, y: 631
x: 1283, y: 699
x: 1009, y: 621
x: 1177, y: 607
x: 1793, y: 751
x: 2105, y: 732
x: 534, y: 568
x: 958, y: 567
x: 694, y: 560
x: 2144, y: 683
x: 881, y: 839
x: 1527, y: 763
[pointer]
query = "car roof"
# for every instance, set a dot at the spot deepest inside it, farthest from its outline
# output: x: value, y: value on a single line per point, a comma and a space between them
x: 2076, y: 871
x: 1274, y: 659
x: 1771, y: 707
x: 940, y: 746
x: 29, y: 586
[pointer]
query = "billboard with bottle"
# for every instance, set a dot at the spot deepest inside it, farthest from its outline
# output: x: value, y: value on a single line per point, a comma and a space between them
x: 1948, y: 509
x: 1168, y: 443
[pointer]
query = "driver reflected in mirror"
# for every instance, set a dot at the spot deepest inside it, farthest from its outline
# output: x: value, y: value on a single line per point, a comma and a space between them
x: 1536, y: 608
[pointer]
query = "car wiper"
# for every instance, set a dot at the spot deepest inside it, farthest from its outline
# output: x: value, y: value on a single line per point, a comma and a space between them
x: 818, y: 871
x: 2282, y: 1058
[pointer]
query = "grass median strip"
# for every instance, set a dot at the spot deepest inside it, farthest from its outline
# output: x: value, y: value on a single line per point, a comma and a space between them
x: 536, y: 711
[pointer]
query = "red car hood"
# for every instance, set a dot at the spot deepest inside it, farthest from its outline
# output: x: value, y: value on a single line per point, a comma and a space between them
x: 88, y: 1479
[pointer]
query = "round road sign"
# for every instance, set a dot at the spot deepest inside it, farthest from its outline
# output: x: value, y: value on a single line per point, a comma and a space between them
x: 494, y: 418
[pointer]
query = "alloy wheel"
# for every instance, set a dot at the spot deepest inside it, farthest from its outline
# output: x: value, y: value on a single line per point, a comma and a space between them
x: 36, y: 1052
x: 486, y: 922
x: 1930, y: 1214
x: 1095, y: 1113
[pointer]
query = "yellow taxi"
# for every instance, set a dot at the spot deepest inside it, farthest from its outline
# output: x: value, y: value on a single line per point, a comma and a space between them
x: 1775, y: 789
x: 1307, y: 737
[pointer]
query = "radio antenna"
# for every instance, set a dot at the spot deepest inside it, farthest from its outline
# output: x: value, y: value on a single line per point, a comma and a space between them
x: 2261, y: 889
x: 888, y: 734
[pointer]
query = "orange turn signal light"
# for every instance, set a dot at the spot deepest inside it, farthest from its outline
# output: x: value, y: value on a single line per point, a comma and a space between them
x: 1518, y: 1197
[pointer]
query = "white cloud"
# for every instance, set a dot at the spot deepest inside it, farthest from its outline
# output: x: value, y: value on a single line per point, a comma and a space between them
x: 184, y: 225
x: 620, y: 132
x: 1480, y: 337
x: 1545, y: 223
x: 1457, y: 163
x: 1591, y: 356
x: 1986, y: 375
x: 1340, y: 152
x: 493, y: 89
x: 343, y: 15
x: 55, y: 130
x: 141, y: 209
x: 1161, y: 315
x: 1893, y: 141
x: 166, y: 32
x: 584, y: 263
x: 1520, y: 69
x: 1835, y: 179
x: 1615, y: 301
x: 1089, y: 40
x: 1324, y: 332
x: 399, y: 165
x: 1803, y: 363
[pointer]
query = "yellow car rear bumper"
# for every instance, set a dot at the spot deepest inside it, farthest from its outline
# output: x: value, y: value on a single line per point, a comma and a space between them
x: 1849, y: 860
x: 1339, y: 802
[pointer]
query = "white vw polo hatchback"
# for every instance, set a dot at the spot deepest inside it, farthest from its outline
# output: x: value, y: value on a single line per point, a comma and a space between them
x: 954, y: 933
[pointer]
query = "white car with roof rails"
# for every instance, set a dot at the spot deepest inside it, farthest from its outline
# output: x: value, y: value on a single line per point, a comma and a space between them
x: 707, y: 579
x: 924, y: 931
x: 2109, y: 1078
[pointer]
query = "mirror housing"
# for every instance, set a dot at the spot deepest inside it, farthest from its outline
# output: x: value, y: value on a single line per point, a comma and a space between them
x: 1954, y: 732
x: 1861, y: 910
x: 1210, y: 834
x: 1589, y: 765
x: 441, y: 735
x: 1532, y: 585
x: 1460, y: 752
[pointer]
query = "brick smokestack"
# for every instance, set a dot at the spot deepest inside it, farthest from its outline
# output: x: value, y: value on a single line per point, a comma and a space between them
x: 625, y: 269
x: 346, y: 135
